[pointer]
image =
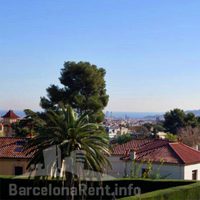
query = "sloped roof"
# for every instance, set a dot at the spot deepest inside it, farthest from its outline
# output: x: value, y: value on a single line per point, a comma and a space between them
x: 187, y: 154
x: 159, y: 150
x: 12, y: 147
x: 11, y: 115
x: 131, y: 145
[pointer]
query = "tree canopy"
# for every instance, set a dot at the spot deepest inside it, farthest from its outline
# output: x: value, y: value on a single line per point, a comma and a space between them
x: 83, y: 88
x: 123, y: 138
x: 177, y: 119
x: 29, y: 125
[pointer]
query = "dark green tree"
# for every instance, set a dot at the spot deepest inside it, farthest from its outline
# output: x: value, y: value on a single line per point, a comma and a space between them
x: 158, y: 128
x: 29, y: 125
x: 123, y: 138
x: 174, y: 120
x: 191, y: 120
x: 177, y: 119
x: 21, y: 128
x: 83, y: 88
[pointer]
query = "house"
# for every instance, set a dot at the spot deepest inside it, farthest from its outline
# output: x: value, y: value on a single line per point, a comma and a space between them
x: 161, y: 135
x: 173, y: 160
x: 123, y: 130
x: 13, y: 161
x: 1, y: 130
x: 117, y: 130
x: 112, y: 131
x: 6, y: 125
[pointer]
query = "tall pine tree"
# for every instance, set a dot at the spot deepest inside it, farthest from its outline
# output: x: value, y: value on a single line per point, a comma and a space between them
x: 84, y: 89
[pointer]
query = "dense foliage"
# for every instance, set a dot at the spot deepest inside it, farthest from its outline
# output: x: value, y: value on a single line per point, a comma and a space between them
x: 70, y: 132
x: 83, y: 88
x: 187, y: 192
x: 30, y: 124
x: 123, y: 138
x: 171, y: 137
x: 177, y: 119
x: 177, y: 189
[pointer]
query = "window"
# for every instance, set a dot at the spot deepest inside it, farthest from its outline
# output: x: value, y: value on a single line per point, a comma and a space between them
x: 194, y: 174
x: 18, y: 149
x: 18, y: 170
x: 21, y: 143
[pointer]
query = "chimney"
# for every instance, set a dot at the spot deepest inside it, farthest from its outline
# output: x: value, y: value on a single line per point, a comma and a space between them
x: 132, y: 154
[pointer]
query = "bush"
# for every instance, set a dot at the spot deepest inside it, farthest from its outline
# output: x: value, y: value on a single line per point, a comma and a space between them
x: 123, y: 138
x: 171, y: 137
x: 145, y: 185
x: 188, y: 192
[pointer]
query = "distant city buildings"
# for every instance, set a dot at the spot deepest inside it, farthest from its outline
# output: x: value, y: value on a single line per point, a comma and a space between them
x: 116, y: 127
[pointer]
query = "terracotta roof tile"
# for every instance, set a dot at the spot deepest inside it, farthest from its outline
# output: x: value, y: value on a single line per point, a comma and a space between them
x: 158, y: 150
x: 159, y: 154
x: 11, y: 115
x: 131, y: 145
x: 187, y: 154
x: 12, y: 147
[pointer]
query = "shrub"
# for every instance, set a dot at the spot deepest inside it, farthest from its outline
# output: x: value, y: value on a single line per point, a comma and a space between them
x: 188, y: 192
x: 145, y: 185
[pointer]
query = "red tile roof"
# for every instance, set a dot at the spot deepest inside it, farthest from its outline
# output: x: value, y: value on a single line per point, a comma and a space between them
x: 12, y: 148
x: 133, y: 144
x: 158, y: 150
x: 11, y: 115
x: 159, y: 154
x: 187, y: 154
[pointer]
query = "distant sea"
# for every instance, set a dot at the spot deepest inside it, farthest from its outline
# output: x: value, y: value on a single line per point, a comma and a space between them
x: 121, y: 115
x: 134, y: 115
x: 143, y: 115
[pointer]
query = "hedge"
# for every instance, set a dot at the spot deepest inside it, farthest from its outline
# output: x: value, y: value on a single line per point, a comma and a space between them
x: 187, y: 192
x: 146, y: 186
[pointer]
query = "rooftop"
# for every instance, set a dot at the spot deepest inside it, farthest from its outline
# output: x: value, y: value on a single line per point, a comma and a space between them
x: 12, y: 147
x: 11, y: 115
x: 158, y: 150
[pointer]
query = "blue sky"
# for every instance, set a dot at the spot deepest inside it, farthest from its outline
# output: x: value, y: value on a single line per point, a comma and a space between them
x: 150, y: 50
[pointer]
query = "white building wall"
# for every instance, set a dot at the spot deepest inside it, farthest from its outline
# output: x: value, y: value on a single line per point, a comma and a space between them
x: 188, y: 171
x: 161, y: 135
x: 113, y: 133
x: 118, y: 167
x: 121, y: 169
x: 124, y: 130
x: 166, y: 170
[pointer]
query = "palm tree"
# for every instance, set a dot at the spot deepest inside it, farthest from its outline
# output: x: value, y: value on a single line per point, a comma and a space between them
x: 70, y: 132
